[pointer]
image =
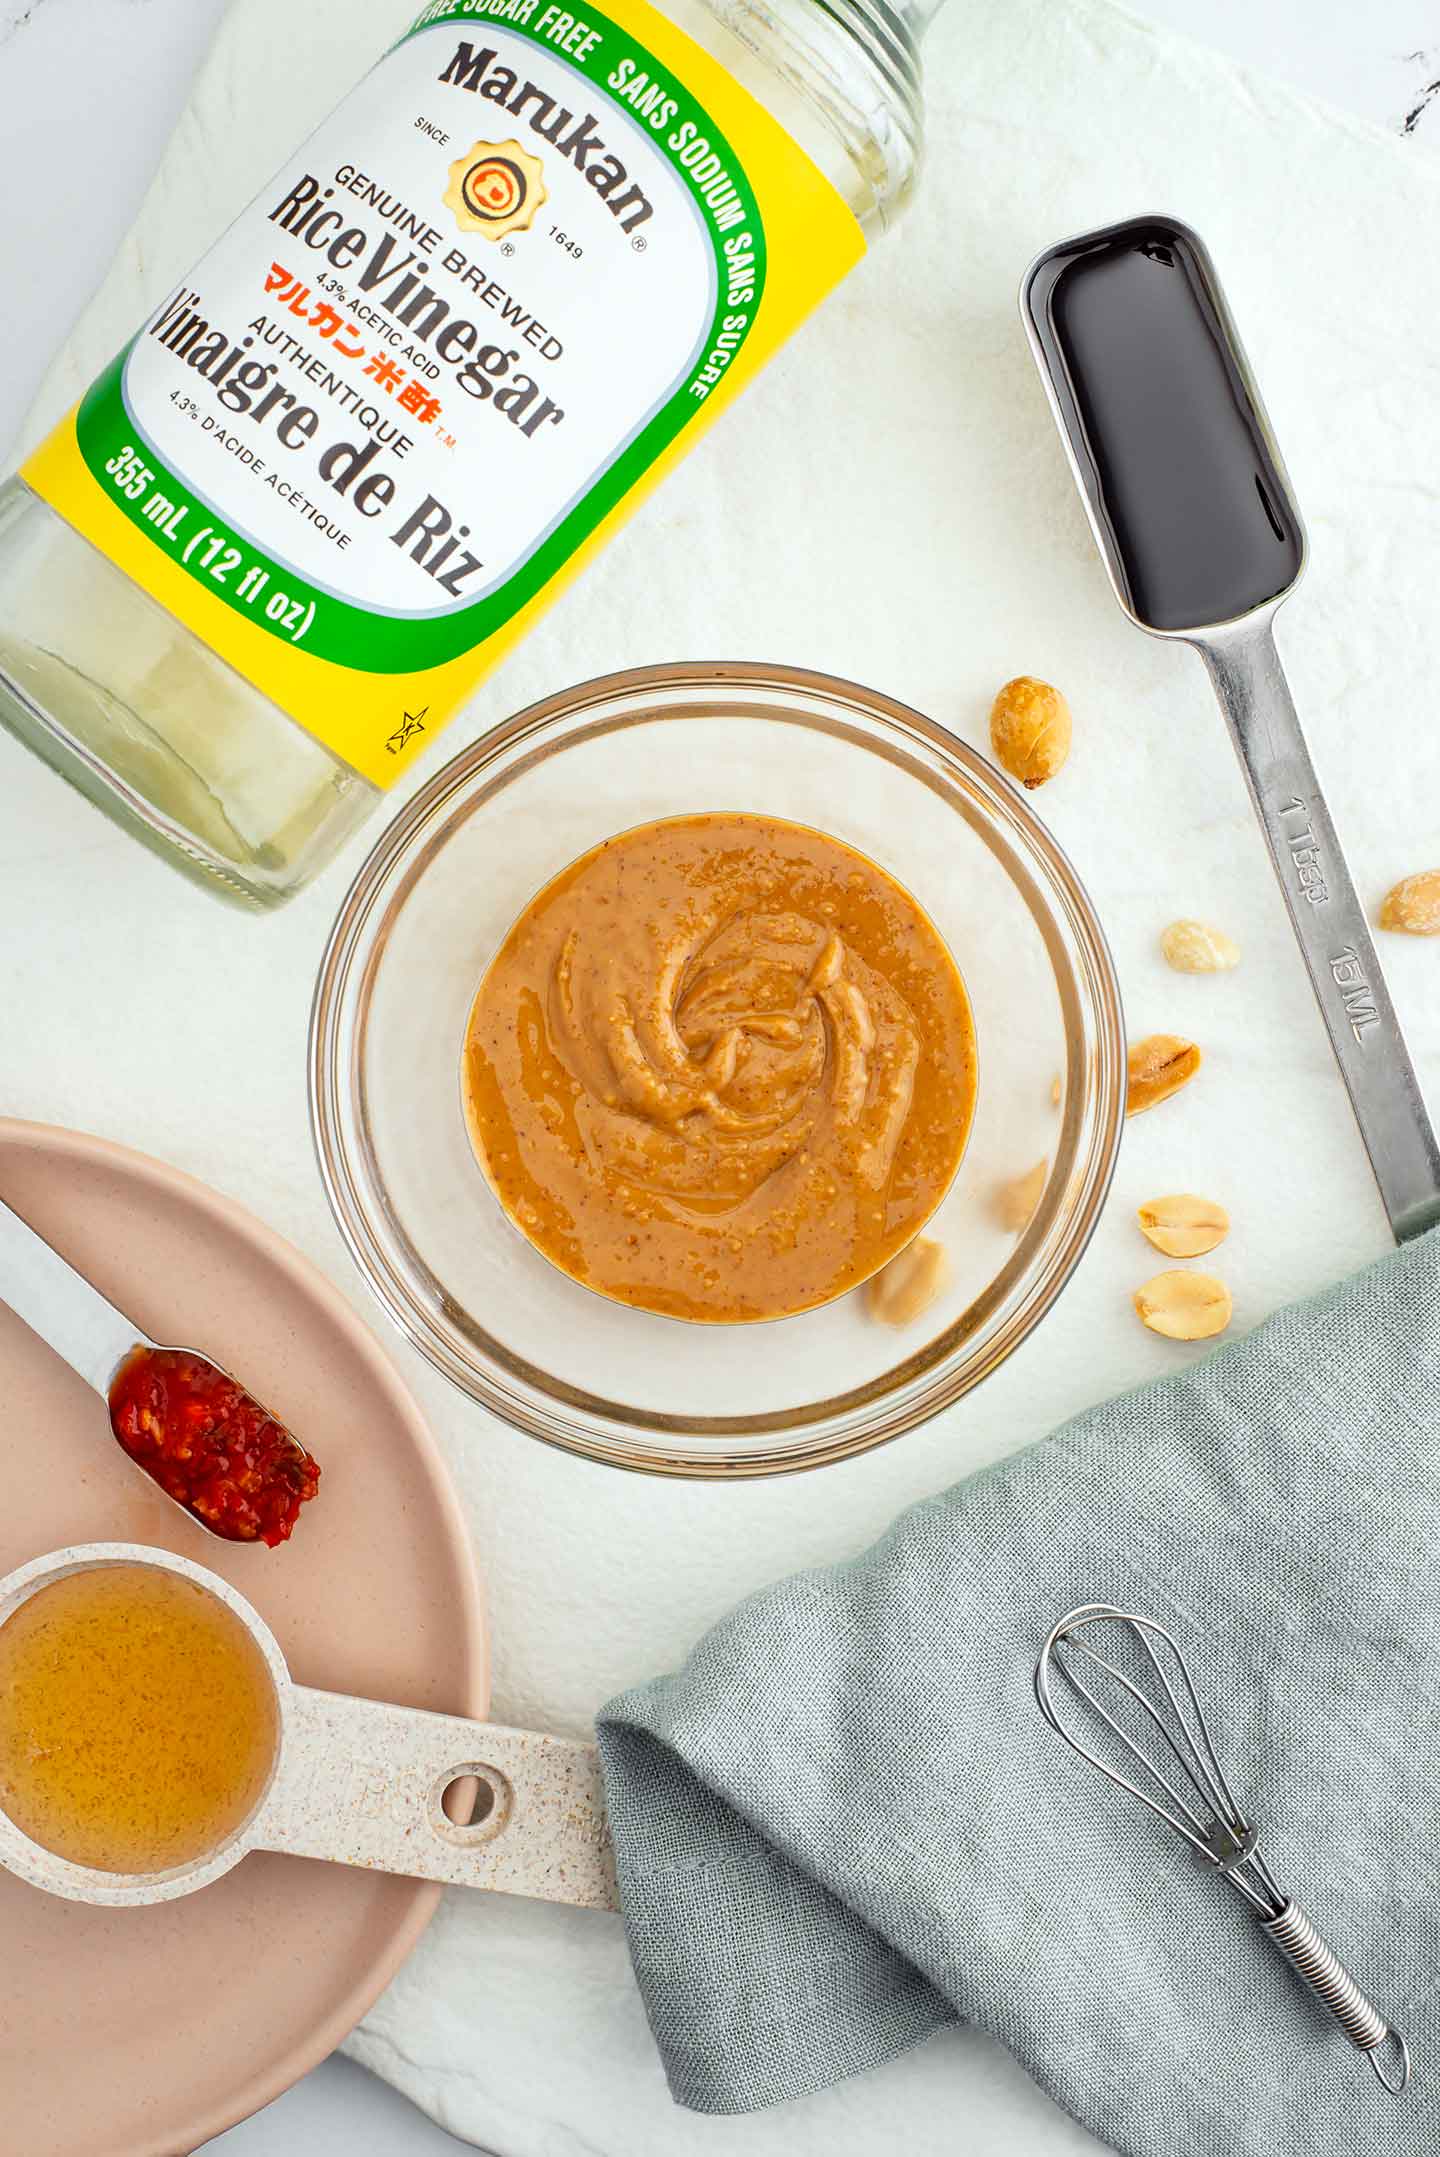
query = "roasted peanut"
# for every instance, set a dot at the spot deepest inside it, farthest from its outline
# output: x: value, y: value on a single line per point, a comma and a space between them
x: 1182, y: 1225
x: 1030, y: 730
x: 1158, y: 1066
x: 1015, y: 1201
x: 1413, y: 906
x: 1194, y: 947
x: 914, y: 1277
x: 1184, y: 1306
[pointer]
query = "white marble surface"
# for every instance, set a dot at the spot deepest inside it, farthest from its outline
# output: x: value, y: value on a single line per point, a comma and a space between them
x: 111, y: 76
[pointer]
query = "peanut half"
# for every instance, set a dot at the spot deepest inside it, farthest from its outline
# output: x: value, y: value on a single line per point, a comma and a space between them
x: 1015, y: 1202
x: 1030, y: 730
x: 901, y: 1290
x: 1184, y: 1306
x: 1413, y: 907
x: 1194, y: 947
x: 1158, y: 1066
x: 1182, y: 1225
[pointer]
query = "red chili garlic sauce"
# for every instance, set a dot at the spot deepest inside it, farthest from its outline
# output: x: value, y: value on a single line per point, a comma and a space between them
x: 211, y: 1445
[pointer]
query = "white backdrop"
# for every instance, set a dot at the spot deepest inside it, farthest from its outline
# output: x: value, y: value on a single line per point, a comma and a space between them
x: 514, y: 2023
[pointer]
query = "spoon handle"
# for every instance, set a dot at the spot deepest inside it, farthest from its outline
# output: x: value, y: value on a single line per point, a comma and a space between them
x: 1328, y: 920
x: 60, y: 1305
x: 361, y: 1782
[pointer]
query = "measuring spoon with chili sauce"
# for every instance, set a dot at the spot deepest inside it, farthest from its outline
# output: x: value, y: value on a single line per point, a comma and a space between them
x: 193, y: 1428
x: 1193, y: 511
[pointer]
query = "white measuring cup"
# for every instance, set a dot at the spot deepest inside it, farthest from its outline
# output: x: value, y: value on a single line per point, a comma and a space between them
x: 361, y: 1782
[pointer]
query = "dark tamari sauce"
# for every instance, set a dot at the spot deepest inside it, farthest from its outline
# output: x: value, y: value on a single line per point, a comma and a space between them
x: 1197, y: 513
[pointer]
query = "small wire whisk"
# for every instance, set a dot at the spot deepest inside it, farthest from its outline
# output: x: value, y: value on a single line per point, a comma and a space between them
x: 1158, y: 1734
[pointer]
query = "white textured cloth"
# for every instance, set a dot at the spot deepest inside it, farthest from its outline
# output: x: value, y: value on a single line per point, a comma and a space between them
x: 891, y: 503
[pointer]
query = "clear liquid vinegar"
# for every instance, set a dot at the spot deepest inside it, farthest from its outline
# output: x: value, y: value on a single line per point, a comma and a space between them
x: 168, y: 739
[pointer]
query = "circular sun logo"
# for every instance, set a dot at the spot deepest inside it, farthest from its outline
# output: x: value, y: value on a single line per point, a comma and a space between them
x: 495, y: 188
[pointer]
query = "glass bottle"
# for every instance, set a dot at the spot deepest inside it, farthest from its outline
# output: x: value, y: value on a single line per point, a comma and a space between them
x: 170, y: 739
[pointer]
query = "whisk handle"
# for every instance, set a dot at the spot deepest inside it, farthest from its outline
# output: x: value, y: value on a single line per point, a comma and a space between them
x: 1323, y: 1974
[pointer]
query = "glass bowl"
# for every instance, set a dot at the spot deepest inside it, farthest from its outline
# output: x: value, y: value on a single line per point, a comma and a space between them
x: 430, y: 907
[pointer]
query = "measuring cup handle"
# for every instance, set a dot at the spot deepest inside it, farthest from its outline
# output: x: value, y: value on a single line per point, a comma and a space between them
x: 1328, y: 919
x: 363, y: 1782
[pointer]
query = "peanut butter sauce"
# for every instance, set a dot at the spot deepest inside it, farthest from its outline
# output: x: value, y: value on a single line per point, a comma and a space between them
x: 722, y: 1067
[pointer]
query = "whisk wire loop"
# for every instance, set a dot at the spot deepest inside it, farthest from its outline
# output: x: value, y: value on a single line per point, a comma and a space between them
x: 1222, y: 1832
x: 1206, y: 1792
x: 1219, y: 1832
x: 1191, y: 1827
x: 1212, y: 1786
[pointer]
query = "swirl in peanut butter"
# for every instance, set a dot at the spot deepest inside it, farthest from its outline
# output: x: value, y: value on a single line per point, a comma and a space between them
x: 722, y: 1068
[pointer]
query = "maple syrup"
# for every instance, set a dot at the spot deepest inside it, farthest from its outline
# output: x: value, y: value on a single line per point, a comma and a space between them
x: 138, y: 1721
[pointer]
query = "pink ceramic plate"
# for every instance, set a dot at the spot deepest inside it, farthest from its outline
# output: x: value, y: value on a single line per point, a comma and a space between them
x: 140, y: 2033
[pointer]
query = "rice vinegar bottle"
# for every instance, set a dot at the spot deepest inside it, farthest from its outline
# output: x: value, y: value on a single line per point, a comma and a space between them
x: 336, y: 474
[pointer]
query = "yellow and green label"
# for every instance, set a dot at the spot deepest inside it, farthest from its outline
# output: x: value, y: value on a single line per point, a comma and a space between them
x: 432, y: 365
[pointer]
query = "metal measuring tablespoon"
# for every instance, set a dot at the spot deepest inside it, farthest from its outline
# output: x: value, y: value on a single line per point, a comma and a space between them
x: 1198, y: 527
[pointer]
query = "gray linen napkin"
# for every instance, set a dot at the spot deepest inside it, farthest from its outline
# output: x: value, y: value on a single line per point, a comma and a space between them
x: 844, y: 1823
